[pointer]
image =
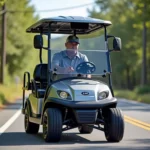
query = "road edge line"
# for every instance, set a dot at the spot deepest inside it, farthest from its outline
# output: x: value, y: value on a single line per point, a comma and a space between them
x: 10, y: 122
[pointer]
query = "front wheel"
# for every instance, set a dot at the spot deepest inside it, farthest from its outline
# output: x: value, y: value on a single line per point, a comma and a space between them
x: 52, y: 125
x: 85, y: 129
x: 114, y: 125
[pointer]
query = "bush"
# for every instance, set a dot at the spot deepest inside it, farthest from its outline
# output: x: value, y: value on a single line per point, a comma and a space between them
x: 142, y: 89
x: 125, y: 94
x: 2, y: 99
x: 132, y: 95
x: 9, y: 93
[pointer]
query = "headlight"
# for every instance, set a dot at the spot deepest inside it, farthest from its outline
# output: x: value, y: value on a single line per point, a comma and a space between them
x: 64, y: 95
x: 102, y: 95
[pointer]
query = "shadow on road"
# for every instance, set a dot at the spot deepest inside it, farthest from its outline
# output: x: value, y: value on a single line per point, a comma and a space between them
x: 142, y: 141
x: 71, y: 140
x: 21, y: 138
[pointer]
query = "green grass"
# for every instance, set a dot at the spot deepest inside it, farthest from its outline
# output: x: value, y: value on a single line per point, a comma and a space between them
x: 9, y: 93
x: 132, y: 95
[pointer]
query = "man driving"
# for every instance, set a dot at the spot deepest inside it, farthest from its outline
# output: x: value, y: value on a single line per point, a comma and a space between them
x: 65, y: 62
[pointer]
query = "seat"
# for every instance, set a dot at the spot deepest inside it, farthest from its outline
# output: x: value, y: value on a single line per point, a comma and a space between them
x: 39, y: 82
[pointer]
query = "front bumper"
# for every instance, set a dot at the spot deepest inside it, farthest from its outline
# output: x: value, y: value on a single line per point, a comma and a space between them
x: 84, y: 104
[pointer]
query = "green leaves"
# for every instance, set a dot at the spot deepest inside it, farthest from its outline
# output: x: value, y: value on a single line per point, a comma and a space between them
x: 19, y: 45
x: 2, y: 2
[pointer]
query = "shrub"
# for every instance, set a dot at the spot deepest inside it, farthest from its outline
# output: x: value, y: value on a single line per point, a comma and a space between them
x: 2, y: 99
x: 142, y: 89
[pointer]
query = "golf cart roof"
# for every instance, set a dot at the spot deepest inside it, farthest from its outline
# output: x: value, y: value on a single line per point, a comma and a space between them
x: 67, y: 25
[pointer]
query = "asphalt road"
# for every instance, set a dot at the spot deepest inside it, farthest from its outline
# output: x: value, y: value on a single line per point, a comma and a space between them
x: 136, y: 136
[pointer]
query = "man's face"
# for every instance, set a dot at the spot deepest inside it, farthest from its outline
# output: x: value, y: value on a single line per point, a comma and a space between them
x: 72, y: 45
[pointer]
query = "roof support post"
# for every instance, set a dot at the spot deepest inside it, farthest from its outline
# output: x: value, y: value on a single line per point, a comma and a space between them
x: 40, y: 53
x: 109, y: 76
x: 49, y: 53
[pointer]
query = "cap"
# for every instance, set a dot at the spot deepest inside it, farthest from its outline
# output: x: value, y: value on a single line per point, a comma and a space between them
x: 72, y: 38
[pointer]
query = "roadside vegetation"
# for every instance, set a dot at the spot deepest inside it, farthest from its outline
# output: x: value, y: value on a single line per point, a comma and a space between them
x: 9, y: 94
x: 139, y: 94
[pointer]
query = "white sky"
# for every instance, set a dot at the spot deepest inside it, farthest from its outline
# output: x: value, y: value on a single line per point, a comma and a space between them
x: 55, y: 4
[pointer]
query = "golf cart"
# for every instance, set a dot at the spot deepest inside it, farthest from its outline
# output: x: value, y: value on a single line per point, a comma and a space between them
x: 73, y: 101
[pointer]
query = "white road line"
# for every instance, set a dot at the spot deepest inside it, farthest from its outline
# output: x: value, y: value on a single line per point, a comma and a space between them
x: 10, y: 121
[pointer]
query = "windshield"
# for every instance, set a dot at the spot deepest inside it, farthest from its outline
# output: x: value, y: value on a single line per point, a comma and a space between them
x: 94, y: 62
x: 90, y: 57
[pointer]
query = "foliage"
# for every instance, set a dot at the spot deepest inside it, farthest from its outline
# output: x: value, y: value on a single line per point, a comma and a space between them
x: 15, y: 91
x: 19, y: 46
x: 2, y: 2
x: 142, y: 89
x: 132, y: 95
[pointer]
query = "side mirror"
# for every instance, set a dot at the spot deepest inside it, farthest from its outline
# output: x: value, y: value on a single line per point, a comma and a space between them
x: 115, y: 43
x: 38, y: 41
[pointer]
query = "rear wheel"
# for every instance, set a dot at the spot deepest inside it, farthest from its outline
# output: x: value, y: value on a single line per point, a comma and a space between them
x: 52, y: 125
x: 30, y: 127
x: 85, y: 129
x: 114, y: 127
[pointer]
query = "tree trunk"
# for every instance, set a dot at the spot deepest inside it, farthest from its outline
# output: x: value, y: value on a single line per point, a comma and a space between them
x: 128, y: 78
x: 3, y: 51
x: 144, y: 60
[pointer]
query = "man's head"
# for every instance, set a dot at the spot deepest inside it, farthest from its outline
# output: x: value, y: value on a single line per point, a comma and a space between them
x: 72, y: 42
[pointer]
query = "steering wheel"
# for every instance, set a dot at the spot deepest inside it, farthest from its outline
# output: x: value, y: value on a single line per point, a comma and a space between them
x: 86, y: 68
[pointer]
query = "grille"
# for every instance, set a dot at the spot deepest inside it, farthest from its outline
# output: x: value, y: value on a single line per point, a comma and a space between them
x: 86, y: 116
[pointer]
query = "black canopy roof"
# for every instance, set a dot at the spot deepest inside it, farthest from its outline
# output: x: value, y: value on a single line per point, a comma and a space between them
x: 67, y: 25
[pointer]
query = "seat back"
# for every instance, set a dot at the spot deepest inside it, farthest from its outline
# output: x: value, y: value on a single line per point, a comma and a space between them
x: 40, y: 73
x: 39, y: 83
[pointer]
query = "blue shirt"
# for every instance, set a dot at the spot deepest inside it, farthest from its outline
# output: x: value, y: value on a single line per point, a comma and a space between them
x: 61, y: 59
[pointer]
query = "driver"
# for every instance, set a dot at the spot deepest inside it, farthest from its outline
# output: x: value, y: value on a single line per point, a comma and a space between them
x: 66, y: 61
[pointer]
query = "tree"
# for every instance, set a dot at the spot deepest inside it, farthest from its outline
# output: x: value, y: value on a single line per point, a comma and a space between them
x: 19, y: 50
x: 142, y: 9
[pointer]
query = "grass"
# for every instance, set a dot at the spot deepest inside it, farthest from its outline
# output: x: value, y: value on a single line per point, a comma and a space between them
x: 132, y: 95
x: 9, y: 93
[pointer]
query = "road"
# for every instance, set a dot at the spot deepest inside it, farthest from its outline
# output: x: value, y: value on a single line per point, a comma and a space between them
x: 136, y: 136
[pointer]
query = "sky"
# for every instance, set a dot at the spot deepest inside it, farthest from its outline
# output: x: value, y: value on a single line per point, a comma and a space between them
x: 55, y: 4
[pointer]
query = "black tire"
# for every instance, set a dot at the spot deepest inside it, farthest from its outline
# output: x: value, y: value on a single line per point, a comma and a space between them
x: 114, y: 127
x: 30, y: 127
x: 52, y: 125
x: 85, y: 129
